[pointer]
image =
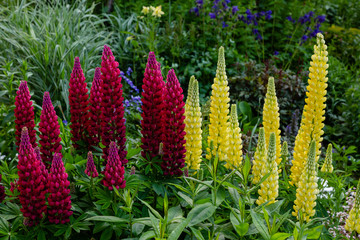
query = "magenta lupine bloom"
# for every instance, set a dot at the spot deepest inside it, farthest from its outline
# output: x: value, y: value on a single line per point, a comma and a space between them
x: 112, y: 108
x: 2, y: 191
x: 152, y: 104
x: 24, y: 114
x: 173, y: 123
x: 42, y: 165
x: 94, y: 124
x: 32, y: 182
x: 49, y: 131
x: 114, y: 170
x: 90, y: 166
x: 78, y: 101
x: 59, y: 198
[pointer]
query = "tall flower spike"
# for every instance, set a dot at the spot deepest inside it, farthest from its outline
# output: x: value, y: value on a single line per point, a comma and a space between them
x: 42, y: 165
x: 307, y: 190
x: 94, y: 125
x: 78, y: 101
x: 114, y: 170
x: 271, y: 117
x: 152, y: 104
x: 59, y: 198
x: 269, y: 189
x: 313, y: 115
x: 2, y: 191
x: 235, y: 144
x: 284, y: 152
x: 32, y: 182
x: 327, y: 166
x: 90, y: 166
x: 112, y: 108
x: 24, y: 114
x: 173, y: 123
x: 193, y: 130
x: 353, y: 220
x: 219, y: 113
x: 260, y: 157
x: 49, y: 131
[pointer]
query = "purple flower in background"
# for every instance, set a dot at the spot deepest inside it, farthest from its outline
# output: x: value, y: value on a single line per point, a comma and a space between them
x: 65, y: 122
x: 320, y: 18
x: 268, y: 15
x: 276, y: 53
x: 128, y: 81
x: 195, y: 10
x: 129, y: 71
x: 257, y: 34
x: 212, y: 15
x: 290, y: 19
x: 224, y: 25
x: 200, y: 3
x: 234, y: 9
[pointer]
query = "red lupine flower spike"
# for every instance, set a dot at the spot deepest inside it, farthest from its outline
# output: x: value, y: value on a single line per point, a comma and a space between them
x: 112, y: 108
x: 78, y: 101
x: 32, y: 182
x: 114, y: 171
x: 94, y: 124
x: 90, y: 166
x: 152, y: 104
x: 2, y: 191
x: 59, y: 198
x: 49, y: 131
x: 24, y: 114
x: 173, y: 123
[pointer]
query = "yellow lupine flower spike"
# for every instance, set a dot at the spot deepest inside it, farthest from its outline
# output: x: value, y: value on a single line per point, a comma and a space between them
x: 193, y: 126
x: 312, y: 125
x: 327, y: 166
x: 271, y: 117
x: 353, y: 220
x: 269, y: 189
x: 259, y: 157
x: 307, y: 187
x: 219, y: 113
x: 235, y: 144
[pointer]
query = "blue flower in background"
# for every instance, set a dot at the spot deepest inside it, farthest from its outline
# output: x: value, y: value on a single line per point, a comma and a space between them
x: 224, y: 25
x: 129, y: 71
x: 320, y: 18
x: 128, y: 81
x: 234, y: 9
x: 276, y: 53
x: 268, y: 15
x: 290, y: 19
x: 212, y: 15
x: 65, y: 122
x: 257, y: 34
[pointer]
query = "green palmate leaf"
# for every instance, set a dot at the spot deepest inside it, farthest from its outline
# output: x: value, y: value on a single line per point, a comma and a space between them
x: 280, y: 236
x: 200, y: 213
x: 111, y: 219
x: 179, y: 229
x: 259, y: 224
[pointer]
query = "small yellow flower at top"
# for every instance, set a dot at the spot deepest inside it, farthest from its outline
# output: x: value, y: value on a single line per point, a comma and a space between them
x: 157, y: 12
x: 145, y: 10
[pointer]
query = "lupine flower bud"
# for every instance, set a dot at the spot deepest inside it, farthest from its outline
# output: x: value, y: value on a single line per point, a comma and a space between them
x: 2, y: 191
x: 59, y: 198
x: 284, y: 152
x: 112, y: 108
x: 269, y: 189
x: 152, y: 104
x: 260, y: 157
x: 307, y: 190
x: 235, y: 144
x: 271, y: 117
x: 32, y: 182
x: 219, y: 113
x: 114, y: 170
x: 24, y: 114
x: 327, y: 166
x: 78, y: 101
x: 173, y: 123
x: 90, y: 166
x: 353, y: 221
x: 49, y: 131
x: 193, y: 130
x: 312, y: 125
x: 94, y: 125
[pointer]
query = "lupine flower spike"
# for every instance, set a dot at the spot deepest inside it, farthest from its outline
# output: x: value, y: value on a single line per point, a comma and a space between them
x: 269, y: 189
x: 49, y: 131
x: 24, y: 114
x: 94, y: 125
x: 353, y: 221
x: 112, y: 108
x: 327, y: 166
x: 152, y: 104
x: 235, y: 144
x: 313, y: 115
x: 260, y: 157
x: 90, y: 166
x: 307, y: 190
x: 59, y: 198
x: 2, y: 191
x: 284, y: 152
x: 271, y: 119
x: 219, y: 113
x: 42, y: 165
x: 193, y: 130
x: 173, y: 132
x: 32, y: 182
x: 78, y: 101
x: 114, y: 170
